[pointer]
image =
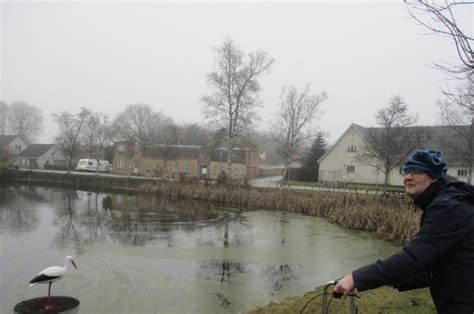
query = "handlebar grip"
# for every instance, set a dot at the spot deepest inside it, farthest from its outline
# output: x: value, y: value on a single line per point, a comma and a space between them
x: 336, y: 295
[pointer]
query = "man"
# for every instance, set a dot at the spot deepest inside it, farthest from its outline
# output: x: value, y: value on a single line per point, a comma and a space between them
x: 441, y: 256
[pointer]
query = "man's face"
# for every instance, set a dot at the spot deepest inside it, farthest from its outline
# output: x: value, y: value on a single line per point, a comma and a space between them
x: 416, y: 183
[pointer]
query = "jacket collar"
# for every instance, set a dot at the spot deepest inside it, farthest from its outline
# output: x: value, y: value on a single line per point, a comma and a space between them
x: 429, y: 194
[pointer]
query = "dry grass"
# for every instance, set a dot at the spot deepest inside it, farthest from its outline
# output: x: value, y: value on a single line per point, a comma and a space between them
x: 391, y: 218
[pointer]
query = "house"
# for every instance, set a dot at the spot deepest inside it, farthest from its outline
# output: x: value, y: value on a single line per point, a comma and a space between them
x: 340, y: 164
x: 169, y: 161
x: 10, y: 146
x: 41, y: 156
x: 218, y: 163
x: 175, y: 161
x: 252, y: 160
x: 126, y: 157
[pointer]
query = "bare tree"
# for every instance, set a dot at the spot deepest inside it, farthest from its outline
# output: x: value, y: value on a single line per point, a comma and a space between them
x: 387, y: 147
x: 440, y: 17
x: 139, y: 124
x: 97, y: 136
x: 135, y: 123
x: 195, y: 134
x: 293, y: 125
x: 3, y: 117
x: 235, y: 85
x: 24, y: 120
x: 164, y: 130
x: 71, y: 130
x: 168, y: 134
x: 457, y: 112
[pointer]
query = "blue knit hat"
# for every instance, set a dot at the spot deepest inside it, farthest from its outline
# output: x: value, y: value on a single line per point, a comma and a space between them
x: 429, y: 161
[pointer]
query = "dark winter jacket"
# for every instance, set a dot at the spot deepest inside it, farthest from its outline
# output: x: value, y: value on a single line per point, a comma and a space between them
x: 441, y: 256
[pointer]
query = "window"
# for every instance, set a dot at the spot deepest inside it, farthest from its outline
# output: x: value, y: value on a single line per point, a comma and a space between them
x: 119, y: 163
x: 462, y: 172
x: 17, y: 147
x: 121, y: 148
x: 175, y: 166
x: 350, y: 169
x: 187, y: 169
x: 352, y: 149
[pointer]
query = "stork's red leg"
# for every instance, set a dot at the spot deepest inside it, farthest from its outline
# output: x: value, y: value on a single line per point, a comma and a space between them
x: 49, y: 306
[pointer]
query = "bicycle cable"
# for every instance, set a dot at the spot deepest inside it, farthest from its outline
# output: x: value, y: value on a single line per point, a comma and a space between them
x: 311, y: 300
x: 334, y: 295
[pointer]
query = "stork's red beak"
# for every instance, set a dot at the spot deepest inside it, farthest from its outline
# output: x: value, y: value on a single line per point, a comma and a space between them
x: 74, y: 264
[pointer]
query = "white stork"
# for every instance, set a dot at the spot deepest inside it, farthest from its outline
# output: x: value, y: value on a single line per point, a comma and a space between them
x: 50, y: 275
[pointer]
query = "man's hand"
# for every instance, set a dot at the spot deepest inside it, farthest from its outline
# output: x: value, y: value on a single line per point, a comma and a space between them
x: 345, y: 285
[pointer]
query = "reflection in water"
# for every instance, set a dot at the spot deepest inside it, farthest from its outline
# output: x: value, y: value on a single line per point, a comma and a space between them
x: 16, y: 213
x: 168, y: 257
x: 84, y: 217
x: 278, y: 275
x: 221, y: 271
x: 227, y: 271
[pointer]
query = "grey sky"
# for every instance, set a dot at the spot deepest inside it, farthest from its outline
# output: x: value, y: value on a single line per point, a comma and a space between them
x: 104, y: 55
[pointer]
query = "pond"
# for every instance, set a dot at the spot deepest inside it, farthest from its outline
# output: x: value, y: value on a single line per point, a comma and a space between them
x: 142, y: 254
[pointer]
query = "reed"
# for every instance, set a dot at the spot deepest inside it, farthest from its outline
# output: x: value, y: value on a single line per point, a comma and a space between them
x: 393, y: 219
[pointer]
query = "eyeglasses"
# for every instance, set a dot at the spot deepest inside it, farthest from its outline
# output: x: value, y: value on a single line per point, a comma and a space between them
x: 413, y: 174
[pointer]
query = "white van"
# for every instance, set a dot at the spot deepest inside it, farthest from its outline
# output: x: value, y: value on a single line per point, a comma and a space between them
x: 92, y: 165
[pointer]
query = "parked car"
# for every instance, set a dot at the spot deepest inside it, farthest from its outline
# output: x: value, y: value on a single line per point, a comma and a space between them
x: 93, y: 165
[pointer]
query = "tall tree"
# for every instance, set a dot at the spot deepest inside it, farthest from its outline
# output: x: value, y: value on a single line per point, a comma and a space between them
x: 24, y: 120
x: 195, y: 134
x: 293, y: 124
x: 441, y: 17
x: 235, y: 88
x: 71, y: 131
x: 135, y: 123
x: 310, y: 168
x: 164, y: 130
x: 139, y: 124
x: 457, y: 112
x: 388, y: 146
x: 3, y: 117
x: 97, y: 136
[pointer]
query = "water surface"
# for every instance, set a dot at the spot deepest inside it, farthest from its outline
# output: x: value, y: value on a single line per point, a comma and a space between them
x: 140, y: 254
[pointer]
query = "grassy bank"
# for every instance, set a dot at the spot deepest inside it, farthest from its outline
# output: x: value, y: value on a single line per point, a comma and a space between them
x: 381, y: 300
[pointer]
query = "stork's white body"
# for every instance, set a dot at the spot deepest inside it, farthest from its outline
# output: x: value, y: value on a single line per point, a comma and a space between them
x: 50, y: 275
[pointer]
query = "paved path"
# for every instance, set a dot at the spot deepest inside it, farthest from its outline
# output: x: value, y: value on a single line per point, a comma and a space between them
x: 273, y: 182
x: 269, y: 182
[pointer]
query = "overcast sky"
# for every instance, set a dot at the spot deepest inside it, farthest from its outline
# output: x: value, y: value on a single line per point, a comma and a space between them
x: 104, y: 55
